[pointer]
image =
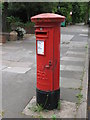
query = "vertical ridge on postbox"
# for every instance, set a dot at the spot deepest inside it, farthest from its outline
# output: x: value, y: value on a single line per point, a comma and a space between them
x: 48, y: 56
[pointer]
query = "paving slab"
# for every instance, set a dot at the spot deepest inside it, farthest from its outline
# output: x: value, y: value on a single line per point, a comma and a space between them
x: 70, y: 83
x: 21, y: 70
x: 85, y: 30
x: 18, y: 90
x: 8, y: 48
x: 82, y: 39
x: 75, y: 53
x: 78, y: 44
x: 2, y: 67
x: 82, y: 111
x: 2, y: 53
x: 84, y: 35
x: 67, y: 110
x: 69, y: 94
x: 0, y: 94
x: 16, y: 55
x: 66, y: 38
x: 19, y: 41
x: 65, y: 45
x: 79, y: 49
x: 79, y: 38
x: 16, y: 64
x: 71, y: 68
x: 74, y: 63
x: 11, y: 57
x: 71, y: 74
x: 72, y: 59
x: 31, y: 58
x: 63, y: 50
x: 31, y: 39
x: 21, y: 64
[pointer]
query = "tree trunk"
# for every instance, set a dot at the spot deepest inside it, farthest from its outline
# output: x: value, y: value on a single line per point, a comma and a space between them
x: 0, y: 20
x: 4, y: 17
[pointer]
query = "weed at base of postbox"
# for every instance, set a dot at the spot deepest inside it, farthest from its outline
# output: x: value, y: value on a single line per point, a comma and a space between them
x: 40, y: 108
x: 54, y: 117
x: 37, y: 108
x: 59, y: 105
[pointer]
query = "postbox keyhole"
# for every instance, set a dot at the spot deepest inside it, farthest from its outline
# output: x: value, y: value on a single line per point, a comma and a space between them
x: 50, y: 63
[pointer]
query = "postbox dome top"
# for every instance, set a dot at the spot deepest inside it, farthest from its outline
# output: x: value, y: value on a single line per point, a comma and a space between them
x: 47, y: 17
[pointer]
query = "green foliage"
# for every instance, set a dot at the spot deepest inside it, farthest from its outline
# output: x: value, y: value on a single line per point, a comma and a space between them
x: 41, y: 117
x: 54, y: 117
x: 59, y: 105
x: 13, y: 19
x: 79, y: 11
x: 29, y: 24
x: 19, y: 24
x: 54, y: 7
x: 84, y: 11
x: 1, y: 5
x: 86, y: 46
x: 80, y: 88
x: 29, y: 9
x: 37, y: 108
x: 75, y: 12
x: 14, y: 22
x: 19, y: 13
x: 2, y: 113
x: 79, y: 96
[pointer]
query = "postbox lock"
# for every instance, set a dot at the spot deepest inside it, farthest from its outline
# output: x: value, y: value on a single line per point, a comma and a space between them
x: 49, y: 65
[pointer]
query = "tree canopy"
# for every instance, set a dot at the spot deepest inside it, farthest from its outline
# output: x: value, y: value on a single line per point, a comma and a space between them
x: 24, y: 10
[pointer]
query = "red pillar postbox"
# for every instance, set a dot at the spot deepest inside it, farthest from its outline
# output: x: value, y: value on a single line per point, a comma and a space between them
x: 48, y: 58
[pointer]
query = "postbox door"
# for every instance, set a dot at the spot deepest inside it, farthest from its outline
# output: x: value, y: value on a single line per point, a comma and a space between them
x: 44, y: 50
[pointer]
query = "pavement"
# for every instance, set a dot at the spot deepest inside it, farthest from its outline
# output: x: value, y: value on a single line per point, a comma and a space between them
x: 89, y: 77
x: 19, y: 72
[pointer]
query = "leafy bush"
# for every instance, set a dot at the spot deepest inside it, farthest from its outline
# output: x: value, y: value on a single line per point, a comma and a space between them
x: 21, y: 24
x: 14, y: 22
x: 29, y: 24
x: 13, y: 19
x: 1, y: 5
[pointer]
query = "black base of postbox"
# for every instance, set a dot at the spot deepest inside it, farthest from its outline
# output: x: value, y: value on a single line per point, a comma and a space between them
x: 48, y: 100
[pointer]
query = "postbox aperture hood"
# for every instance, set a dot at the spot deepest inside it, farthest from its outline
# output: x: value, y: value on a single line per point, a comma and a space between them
x: 47, y: 17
